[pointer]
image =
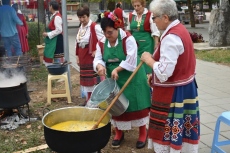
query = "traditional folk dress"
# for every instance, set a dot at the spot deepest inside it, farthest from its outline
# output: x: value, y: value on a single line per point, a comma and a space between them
x: 86, y: 40
x: 174, y: 115
x: 143, y: 29
x: 121, y: 15
x: 54, y: 50
x: 137, y: 91
x: 22, y: 33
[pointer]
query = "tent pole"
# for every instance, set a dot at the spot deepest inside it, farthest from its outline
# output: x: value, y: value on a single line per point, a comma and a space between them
x: 65, y: 38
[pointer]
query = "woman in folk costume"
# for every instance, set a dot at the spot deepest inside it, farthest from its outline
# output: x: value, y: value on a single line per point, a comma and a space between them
x: 117, y: 57
x: 54, y: 50
x: 119, y: 12
x: 174, y: 115
x: 87, y: 37
x: 22, y: 30
x: 143, y: 29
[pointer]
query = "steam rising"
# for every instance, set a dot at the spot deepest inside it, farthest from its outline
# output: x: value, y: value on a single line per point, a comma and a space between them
x: 15, y: 80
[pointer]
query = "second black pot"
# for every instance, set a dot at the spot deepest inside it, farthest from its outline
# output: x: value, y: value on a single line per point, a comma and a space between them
x: 57, y: 69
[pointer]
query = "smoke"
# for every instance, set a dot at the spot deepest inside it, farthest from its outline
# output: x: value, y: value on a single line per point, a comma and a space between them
x: 15, y: 78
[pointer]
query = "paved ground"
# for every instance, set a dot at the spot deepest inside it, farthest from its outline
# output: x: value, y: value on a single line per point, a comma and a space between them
x: 214, y: 88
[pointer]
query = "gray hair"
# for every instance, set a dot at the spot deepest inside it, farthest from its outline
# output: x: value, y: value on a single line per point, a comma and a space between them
x: 164, y: 7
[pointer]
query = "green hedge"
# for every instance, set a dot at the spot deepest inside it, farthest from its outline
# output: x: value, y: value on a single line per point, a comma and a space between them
x: 33, y: 37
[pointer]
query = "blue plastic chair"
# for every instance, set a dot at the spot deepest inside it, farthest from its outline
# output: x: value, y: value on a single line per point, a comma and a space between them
x: 225, y: 118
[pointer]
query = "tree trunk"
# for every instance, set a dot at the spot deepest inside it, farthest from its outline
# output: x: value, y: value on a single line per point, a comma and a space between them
x: 111, y: 5
x: 41, y: 11
x: 219, y: 25
x: 191, y: 14
x: 210, y: 4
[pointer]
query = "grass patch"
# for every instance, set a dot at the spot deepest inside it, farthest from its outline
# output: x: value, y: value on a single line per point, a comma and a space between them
x: 217, y: 56
x: 18, y: 140
x: 39, y: 74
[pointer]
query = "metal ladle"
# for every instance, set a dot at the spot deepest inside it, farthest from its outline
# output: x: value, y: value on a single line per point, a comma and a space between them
x: 65, y: 63
x: 117, y: 96
x: 18, y: 61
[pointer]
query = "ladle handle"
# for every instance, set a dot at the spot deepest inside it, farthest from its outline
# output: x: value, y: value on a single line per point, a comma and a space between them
x: 118, y: 95
x: 18, y: 60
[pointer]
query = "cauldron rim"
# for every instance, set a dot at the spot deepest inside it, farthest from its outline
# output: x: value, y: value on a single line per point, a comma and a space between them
x: 21, y: 84
x: 63, y: 108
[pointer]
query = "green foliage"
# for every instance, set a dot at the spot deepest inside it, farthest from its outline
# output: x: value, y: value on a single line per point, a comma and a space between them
x: 33, y: 38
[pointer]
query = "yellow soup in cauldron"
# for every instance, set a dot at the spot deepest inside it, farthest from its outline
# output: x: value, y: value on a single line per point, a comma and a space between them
x: 74, y: 126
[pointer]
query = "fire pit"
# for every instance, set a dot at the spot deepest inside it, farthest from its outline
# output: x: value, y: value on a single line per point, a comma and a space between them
x: 13, y: 88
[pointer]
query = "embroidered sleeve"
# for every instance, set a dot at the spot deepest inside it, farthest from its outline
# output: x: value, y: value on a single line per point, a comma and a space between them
x: 98, y: 58
x: 130, y: 62
x: 170, y: 50
x: 58, y: 27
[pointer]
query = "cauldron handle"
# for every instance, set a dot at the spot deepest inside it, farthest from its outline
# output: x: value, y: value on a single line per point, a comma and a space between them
x: 117, y: 96
x: 44, y: 111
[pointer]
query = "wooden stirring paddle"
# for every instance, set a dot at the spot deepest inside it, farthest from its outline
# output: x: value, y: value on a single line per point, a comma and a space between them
x: 117, y: 96
x: 18, y: 60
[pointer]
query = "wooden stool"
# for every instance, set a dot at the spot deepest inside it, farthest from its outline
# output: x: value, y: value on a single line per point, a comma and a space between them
x: 58, y: 93
x: 40, y: 49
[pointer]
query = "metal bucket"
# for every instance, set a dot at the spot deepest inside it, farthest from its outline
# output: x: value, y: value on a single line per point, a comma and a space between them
x: 104, y: 93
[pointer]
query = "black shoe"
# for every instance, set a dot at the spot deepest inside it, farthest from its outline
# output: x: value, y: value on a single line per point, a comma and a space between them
x: 116, y: 143
x: 140, y: 144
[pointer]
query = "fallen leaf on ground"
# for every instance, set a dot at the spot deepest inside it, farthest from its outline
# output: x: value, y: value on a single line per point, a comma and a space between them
x: 24, y: 142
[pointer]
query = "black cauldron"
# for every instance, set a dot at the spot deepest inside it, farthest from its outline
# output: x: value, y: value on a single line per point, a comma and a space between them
x: 57, y: 69
x: 13, y: 97
x: 74, y: 142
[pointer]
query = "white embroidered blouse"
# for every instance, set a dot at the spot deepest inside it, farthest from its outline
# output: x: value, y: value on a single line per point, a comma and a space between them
x: 83, y: 34
x: 131, y: 48
x: 57, y: 24
x: 171, y: 48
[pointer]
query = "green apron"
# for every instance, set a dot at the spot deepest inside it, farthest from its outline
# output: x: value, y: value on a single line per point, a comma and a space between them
x: 137, y: 91
x: 50, y: 44
x: 143, y: 38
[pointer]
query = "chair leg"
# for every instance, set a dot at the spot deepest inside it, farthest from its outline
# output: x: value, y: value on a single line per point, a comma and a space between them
x: 49, y: 92
x: 67, y: 91
x: 216, y: 135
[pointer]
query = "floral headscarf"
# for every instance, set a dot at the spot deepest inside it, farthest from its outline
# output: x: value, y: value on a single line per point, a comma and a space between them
x: 113, y: 17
